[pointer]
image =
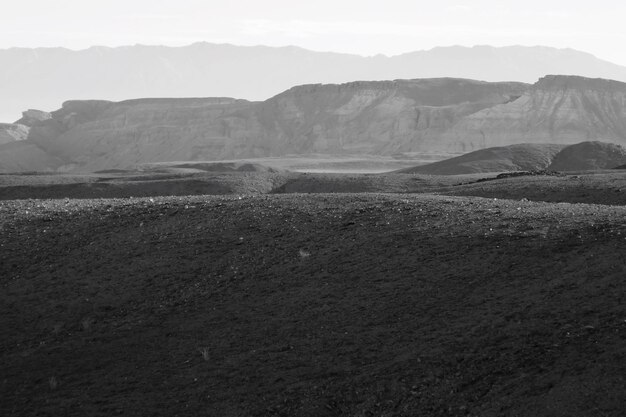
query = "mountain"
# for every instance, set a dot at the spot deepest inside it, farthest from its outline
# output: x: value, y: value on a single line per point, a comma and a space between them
x: 44, y: 77
x: 583, y: 156
x: 441, y: 115
x: 354, y: 118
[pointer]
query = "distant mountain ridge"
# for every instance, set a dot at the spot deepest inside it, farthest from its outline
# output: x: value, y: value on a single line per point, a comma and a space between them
x: 45, y: 77
x: 442, y: 115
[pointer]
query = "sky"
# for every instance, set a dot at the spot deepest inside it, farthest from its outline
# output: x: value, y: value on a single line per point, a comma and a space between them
x: 364, y: 27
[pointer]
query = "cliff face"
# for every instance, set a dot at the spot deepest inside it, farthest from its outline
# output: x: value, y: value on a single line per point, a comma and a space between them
x: 10, y: 132
x: 119, y: 135
x: 375, y: 118
x: 557, y: 109
x: 378, y: 117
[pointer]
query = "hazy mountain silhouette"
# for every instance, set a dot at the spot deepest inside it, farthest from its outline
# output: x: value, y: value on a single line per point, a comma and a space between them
x: 45, y: 77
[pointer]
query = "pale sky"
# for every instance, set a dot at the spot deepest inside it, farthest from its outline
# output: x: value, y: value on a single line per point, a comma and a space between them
x: 365, y: 27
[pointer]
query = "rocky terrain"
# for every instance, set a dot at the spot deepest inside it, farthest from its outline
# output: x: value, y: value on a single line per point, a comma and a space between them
x: 402, y: 118
x: 313, y: 305
x: 45, y: 77
x: 11, y: 132
x: 530, y: 157
x: 606, y: 187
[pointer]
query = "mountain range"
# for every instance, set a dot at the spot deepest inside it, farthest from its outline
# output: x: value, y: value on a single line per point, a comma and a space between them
x: 401, y: 117
x: 43, y: 78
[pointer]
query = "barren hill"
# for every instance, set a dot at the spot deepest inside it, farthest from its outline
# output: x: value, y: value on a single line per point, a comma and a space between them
x: 367, y: 118
x: 521, y: 157
x: 530, y: 157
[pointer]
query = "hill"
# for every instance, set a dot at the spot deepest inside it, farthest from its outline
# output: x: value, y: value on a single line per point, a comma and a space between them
x: 522, y: 157
x: 45, y: 77
x: 530, y: 157
x: 589, y: 156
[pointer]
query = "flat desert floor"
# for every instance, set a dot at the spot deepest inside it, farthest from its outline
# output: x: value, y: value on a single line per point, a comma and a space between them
x: 281, y: 303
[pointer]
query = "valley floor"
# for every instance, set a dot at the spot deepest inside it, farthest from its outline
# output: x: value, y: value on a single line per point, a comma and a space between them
x: 313, y: 305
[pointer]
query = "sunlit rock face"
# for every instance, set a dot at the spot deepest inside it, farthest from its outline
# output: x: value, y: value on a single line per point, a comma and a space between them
x: 368, y: 118
x: 10, y: 132
x: 381, y: 117
x: 32, y: 116
x: 557, y: 109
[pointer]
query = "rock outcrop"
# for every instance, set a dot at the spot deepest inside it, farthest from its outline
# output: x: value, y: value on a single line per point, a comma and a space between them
x: 10, y: 132
x: 32, y: 116
x: 368, y: 118
x: 557, y: 109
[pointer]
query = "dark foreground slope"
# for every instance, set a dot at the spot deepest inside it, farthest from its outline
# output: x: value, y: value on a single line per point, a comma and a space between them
x: 320, y: 305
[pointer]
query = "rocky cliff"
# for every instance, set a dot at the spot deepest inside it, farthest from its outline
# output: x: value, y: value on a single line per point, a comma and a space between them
x: 378, y: 117
x: 557, y: 109
x: 374, y: 118
x: 10, y: 132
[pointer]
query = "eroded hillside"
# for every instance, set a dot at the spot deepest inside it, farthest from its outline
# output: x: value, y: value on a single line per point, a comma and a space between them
x: 367, y: 118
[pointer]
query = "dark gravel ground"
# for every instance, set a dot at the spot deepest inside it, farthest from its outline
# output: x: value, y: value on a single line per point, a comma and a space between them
x: 312, y: 305
x: 600, y: 187
x: 604, y: 187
